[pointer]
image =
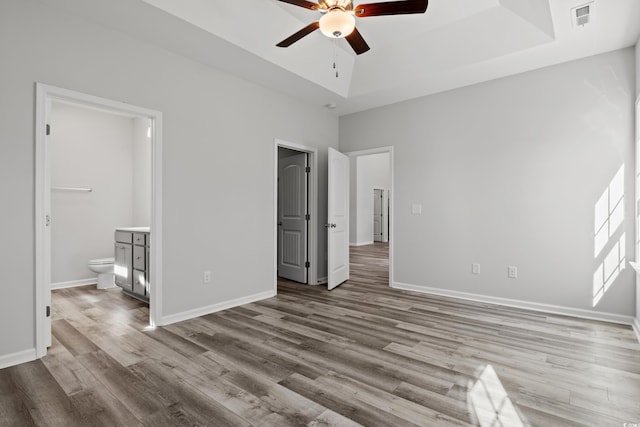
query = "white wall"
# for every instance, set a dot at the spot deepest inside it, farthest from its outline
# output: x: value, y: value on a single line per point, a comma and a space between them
x: 638, y: 67
x: 509, y: 172
x: 372, y: 172
x: 89, y: 149
x: 217, y: 171
x: 353, y: 200
x: 141, y: 178
x: 637, y: 54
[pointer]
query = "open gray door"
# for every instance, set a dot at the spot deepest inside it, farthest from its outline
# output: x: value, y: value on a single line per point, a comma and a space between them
x: 338, y: 219
x: 377, y: 214
x: 292, y: 222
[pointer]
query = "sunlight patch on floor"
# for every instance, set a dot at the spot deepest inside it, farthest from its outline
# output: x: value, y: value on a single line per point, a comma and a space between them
x: 491, y: 402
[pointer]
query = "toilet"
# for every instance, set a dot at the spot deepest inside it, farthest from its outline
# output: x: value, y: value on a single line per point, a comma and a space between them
x: 104, y: 268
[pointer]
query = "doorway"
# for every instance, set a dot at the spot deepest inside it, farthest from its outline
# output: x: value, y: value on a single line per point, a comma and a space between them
x: 293, y: 215
x: 371, y: 203
x: 295, y: 201
x: 45, y: 97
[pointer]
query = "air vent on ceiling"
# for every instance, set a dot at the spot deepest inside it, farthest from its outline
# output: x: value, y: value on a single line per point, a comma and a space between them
x: 582, y: 15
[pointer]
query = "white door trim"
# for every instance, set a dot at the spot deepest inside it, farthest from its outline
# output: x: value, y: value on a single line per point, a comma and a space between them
x: 44, y: 95
x: 391, y: 233
x: 312, y: 278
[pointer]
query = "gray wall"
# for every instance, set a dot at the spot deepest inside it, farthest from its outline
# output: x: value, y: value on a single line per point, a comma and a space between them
x: 90, y: 149
x: 508, y: 173
x: 217, y: 170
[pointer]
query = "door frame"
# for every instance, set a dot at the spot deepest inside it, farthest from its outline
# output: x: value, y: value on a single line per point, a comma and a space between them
x: 312, y: 194
x: 45, y: 94
x: 391, y: 233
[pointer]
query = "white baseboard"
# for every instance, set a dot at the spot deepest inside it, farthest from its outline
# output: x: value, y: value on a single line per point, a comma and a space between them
x: 17, y: 358
x: 203, y: 311
x: 546, y: 308
x: 361, y: 243
x: 75, y: 283
x: 636, y: 328
x: 322, y: 280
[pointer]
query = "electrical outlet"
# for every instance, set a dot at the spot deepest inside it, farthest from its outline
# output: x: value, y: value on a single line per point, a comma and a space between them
x: 206, y: 277
x: 475, y: 268
x: 512, y: 272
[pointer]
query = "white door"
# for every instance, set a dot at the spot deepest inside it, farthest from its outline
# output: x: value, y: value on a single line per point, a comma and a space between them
x: 377, y: 215
x: 48, y: 225
x: 338, y: 219
x: 292, y: 220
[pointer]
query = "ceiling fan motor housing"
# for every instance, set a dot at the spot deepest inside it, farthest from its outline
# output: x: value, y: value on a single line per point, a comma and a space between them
x: 337, y: 22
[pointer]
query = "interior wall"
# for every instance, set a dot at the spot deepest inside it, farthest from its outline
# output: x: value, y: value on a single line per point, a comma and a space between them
x: 217, y: 171
x: 373, y: 171
x: 353, y: 200
x: 637, y: 55
x: 141, y: 173
x: 638, y: 67
x: 509, y: 173
x: 89, y: 149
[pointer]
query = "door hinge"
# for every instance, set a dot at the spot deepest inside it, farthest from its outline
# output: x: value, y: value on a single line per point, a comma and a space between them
x: 48, y: 129
x: 307, y: 264
x: 307, y: 217
x: 48, y: 311
x: 307, y: 169
x: 47, y: 220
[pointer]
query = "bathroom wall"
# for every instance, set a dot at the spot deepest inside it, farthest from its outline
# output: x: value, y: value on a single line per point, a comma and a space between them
x: 92, y: 149
x: 372, y: 171
x: 141, y: 176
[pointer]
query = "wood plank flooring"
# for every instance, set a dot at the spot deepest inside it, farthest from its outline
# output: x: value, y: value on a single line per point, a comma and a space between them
x: 362, y: 354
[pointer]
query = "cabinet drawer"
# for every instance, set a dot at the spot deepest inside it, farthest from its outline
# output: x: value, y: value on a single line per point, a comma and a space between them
x: 139, y: 257
x: 139, y: 282
x: 124, y: 237
x: 139, y: 239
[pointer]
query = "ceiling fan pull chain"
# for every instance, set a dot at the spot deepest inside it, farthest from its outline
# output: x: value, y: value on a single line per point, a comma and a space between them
x: 335, y: 58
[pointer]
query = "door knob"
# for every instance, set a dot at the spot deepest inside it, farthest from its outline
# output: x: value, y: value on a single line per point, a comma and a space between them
x: 330, y: 226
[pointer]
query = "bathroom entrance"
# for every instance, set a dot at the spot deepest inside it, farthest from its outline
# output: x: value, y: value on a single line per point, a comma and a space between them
x: 98, y: 170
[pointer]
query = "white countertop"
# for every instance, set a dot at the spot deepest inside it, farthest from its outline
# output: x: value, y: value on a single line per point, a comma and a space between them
x: 134, y: 229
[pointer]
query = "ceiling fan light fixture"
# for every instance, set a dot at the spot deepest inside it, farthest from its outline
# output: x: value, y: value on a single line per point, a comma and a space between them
x: 337, y: 23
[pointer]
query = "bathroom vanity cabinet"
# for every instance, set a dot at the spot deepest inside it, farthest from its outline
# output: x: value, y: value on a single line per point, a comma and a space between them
x: 131, y: 266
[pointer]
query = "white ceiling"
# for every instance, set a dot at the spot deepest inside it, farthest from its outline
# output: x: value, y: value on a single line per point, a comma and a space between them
x: 455, y: 43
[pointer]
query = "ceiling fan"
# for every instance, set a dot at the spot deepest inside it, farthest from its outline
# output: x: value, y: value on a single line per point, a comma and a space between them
x: 338, y: 18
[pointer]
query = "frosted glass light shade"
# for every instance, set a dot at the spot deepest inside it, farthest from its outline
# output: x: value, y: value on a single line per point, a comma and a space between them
x: 337, y: 24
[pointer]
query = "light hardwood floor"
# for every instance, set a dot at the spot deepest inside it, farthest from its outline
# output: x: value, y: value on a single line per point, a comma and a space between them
x: 360, y: 354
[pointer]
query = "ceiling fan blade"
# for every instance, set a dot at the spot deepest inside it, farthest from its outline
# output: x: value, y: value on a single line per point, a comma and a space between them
x: 391, y: 8
x: 303, y: 3
x: 300, y: 34
x: 357, y: 42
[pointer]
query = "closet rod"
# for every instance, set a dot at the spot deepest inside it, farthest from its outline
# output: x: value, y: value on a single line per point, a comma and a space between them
x: 79, y: 189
